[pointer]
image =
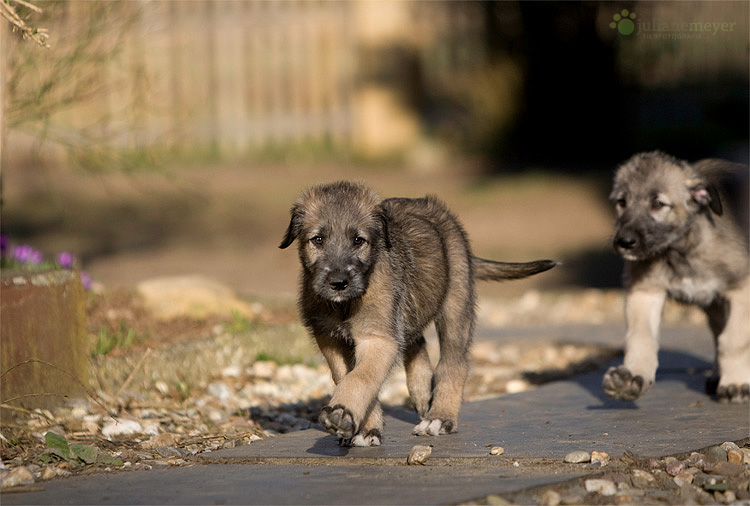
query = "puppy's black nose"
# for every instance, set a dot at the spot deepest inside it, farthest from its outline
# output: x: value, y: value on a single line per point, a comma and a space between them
x: 339, y: 284
x: 627, y: 242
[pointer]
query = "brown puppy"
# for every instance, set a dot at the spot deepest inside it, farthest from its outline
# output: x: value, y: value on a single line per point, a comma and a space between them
x: 678, y: 243
x: 374, y: 275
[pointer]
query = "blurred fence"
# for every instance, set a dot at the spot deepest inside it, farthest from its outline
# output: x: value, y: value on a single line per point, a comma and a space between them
x: 231, y: 78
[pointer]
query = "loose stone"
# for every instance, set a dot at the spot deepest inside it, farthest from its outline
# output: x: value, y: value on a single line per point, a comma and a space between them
x: 577, y: 457
x: 729, y: 445
x: 600, y: 458
x: 642, y: 479
x: 550, y: 498
x: 603, y: 487
x: 121, y: 427
x: 735, y: 457
x: 675, y: 467
x: 716, y: 454
x: 419, y: 455
x: 169, y: 451
x: 683, y: 479
x: 497, y: 450
x: 654, y: 464
x: 496, y: 500
x: 47, y: 474
x: 697, y: 459
x: 726, y: 469
x: 16, y: 477
x: 702, y: 479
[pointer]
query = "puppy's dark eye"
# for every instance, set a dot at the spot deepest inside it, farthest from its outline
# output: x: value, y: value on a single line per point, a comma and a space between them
x: 317, y: 240
x: 621, y: 202
x: 359, y: 241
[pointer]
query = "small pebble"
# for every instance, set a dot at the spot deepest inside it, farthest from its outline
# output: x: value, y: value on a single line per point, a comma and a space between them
x: 716, y: 454
x: 603, y: 487
x: 735, y: 456
x: 496, y: 500
x: 497, y: 450
x: 17, y: 477
x: 683, y: 479
x: 675, y: 467
x: 726, y: 469
x: 550, y: 498
x: 122, y: 427
x: 577, y: 457
x: 169, y: 451
x: 728, y: 445
x: 47, y: 474
x: 642, y: 479
x: 419, y: 455
x: 697, y: 459
x: 600, y: 458
x: 702, y: 479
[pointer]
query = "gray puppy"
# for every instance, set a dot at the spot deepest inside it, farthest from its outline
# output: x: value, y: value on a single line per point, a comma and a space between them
x: 678, y: 243
x: 374, y: 275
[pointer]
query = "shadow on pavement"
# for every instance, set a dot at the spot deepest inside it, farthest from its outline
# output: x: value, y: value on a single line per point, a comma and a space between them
x: 673, y: 366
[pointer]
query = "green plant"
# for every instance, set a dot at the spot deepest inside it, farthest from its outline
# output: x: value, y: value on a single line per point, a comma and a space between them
x: 122, y: 338
x: 238, y: 324
x: 76, y: 453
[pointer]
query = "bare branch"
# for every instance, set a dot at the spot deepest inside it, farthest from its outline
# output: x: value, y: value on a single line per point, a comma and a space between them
x: 8, y: 11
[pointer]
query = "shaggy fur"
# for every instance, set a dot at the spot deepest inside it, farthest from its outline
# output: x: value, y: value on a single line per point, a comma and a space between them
x: 374, y: 275
x: 678, y: 242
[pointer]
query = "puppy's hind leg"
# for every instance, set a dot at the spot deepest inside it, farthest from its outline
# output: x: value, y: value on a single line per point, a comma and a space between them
x: 636, y: 376
x: 418, y: 375
x: 454, y: 327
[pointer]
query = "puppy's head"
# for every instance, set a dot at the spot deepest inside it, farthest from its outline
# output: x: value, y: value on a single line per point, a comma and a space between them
x: 657, y: 200
x: 340, y: 228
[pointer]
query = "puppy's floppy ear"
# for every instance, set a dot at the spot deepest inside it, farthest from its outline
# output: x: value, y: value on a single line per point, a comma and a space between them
x: 705, y: 195
x: 295, y: 225
x: 384, y: 218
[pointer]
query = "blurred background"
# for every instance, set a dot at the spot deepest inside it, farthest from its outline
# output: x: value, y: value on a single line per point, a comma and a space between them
x: 171, y: 137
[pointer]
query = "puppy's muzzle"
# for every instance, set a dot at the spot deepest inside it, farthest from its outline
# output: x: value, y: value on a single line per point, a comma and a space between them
x: 338, y: 280
x: 628, y: 243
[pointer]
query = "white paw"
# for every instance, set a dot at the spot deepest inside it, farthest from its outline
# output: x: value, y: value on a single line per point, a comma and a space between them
x: 366, y: 440
x: 428, y: 428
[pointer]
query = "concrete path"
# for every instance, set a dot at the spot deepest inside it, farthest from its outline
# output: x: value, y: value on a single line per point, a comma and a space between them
x: 536, y: 428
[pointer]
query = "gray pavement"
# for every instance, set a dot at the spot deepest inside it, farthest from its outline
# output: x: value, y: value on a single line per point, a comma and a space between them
x: 536, y: 428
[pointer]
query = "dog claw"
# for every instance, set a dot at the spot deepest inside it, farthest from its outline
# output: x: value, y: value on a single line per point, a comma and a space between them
x: 619, y: 383
x: 370, y: 438
x: 733, y: 393
x: 338, y: 421
x: 434, y: 427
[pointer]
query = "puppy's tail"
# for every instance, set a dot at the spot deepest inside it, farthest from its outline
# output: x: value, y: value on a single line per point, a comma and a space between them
x: 488, y: 270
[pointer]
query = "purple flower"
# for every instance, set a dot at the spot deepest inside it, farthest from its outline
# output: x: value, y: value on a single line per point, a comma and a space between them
x: 27, y: 255
x: 66, y: 260
x: 3, y: 244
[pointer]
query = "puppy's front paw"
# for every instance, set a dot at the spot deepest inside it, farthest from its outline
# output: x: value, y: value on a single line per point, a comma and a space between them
x: 339, y: 421
x: 370, y: 438
x: 619, y: 383
x: 733, y: 393
x: 434, y: 427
